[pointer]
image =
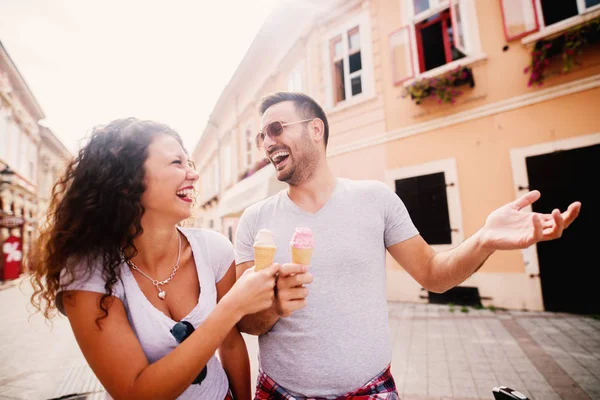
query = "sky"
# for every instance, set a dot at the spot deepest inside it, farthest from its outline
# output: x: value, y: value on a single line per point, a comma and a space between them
x: 89, y: 62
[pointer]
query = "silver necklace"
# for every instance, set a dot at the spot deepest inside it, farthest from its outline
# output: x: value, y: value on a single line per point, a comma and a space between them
x: 159, y: 284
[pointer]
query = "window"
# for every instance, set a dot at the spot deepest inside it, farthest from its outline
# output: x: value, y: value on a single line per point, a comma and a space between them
x: 430, y: 193
x: 216, y: 177
x: 522, y: 17
x: 519, y: 18
x: 295, y: 80
x: 32, y: 154
x: 206, y: 189
x: 227, y: 165
x: 4, y: 113
x: 248, y: 143
x: 349, y: 68
x: 401, y: 55
x: 436, y: 42
x: 347, y: 65
x: 437, y: 33
x: 14, y: 135
x: 24, y: 155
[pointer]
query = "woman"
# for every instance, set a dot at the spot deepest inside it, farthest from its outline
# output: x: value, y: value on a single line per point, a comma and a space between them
x: 149, y: 302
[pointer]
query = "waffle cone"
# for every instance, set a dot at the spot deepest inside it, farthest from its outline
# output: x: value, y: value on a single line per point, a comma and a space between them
x: 263, y: 257
x: 301, y: 256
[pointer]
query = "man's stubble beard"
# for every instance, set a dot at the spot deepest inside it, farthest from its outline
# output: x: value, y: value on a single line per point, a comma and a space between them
x: 306, y: 166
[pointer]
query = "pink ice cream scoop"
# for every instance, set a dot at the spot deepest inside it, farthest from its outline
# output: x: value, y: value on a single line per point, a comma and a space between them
x: 303, y: 239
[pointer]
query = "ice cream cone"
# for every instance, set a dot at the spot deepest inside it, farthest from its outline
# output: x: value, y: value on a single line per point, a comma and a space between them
x: 301, y: 256
x: 263, y: 256
x: 302, y: 244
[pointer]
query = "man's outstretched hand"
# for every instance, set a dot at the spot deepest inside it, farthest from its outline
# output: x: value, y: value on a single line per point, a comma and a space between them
x: 509, y: 227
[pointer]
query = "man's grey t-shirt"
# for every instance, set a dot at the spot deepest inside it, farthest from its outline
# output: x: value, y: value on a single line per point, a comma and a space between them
x: 341, y: 339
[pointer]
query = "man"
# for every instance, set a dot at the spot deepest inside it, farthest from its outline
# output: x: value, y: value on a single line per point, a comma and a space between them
x: 335, y: 341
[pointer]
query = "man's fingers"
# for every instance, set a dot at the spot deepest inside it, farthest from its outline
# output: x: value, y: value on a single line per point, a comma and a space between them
x: 555, y: 231
x: 288, y: 269
x: 291, y: 281
x: 291, y: 306
x: 571, y: 213
x: 291, y: 294
x: 526, y: 200
x: 538, y: 232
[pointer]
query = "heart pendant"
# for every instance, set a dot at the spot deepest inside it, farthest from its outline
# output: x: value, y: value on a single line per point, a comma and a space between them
x: 162, y: 294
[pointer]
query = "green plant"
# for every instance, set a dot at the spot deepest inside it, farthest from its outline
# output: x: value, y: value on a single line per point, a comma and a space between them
x: 451, y: 307
x: 478, y: 307
x: 492, y: 308
x: 442, y: 87
x: 464, y: 309
x: 569, y: 45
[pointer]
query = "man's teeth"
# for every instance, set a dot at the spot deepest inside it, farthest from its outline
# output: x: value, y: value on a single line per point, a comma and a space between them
x: 185, y: 193
x: 277, y: 156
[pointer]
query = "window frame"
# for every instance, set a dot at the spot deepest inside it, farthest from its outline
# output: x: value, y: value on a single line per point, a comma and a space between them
x: 581, y: 8
x: 227, y: 166
x: 472, y: 46
x: 447, y: 47
x: 408, y: 49
x: 525, y: 33
x: 448, y: 167
x: 542, y: 30
x: 248, y: 144
x: 362, y: 21
x: 296, y: 78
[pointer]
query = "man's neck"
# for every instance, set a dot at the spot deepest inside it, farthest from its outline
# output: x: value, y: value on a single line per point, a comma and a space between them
x: 312, y: 195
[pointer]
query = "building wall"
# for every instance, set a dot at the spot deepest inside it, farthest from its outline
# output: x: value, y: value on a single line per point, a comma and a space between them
x: 382, y: 135
x: 19, y: 147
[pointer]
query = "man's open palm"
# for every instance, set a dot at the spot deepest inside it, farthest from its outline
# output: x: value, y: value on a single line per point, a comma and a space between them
x: 509, y: 227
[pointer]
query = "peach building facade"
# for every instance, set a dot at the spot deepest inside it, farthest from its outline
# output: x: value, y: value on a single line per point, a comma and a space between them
x: 431, y: 97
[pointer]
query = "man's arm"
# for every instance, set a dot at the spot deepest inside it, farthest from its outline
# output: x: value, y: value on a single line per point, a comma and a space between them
x: 290, y: 296
x: 507, y: 228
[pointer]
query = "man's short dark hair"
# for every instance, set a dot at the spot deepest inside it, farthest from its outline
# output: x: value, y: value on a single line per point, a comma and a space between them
x: 305, y: 105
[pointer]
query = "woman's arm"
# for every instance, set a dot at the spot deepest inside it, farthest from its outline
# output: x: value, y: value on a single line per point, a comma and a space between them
x: 118, y: 360
x: 233, y: 352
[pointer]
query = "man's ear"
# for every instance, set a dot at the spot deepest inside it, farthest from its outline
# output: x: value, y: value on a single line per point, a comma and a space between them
x: 317, y: 130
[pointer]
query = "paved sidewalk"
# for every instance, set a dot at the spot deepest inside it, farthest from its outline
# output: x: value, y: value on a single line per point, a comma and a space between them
x: 437, y: 354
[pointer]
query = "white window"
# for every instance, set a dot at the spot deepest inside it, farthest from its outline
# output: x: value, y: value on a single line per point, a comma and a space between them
x: 295, y: 82
x: 227, y: 166
x: 522, y: 17
x: 216, y: 181
x: 33, y: 157
x: 23, y: 156
x: 206, y: 183
x: 14, y: 134
x: 4, y: 113
x: 247, y: 145
x: 552, y: 12
x: 431, y: 195
x: 349, y: 72
x: 436, y: 33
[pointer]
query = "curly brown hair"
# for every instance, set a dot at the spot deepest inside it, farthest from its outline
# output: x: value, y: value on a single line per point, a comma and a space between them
x: 95, y: 211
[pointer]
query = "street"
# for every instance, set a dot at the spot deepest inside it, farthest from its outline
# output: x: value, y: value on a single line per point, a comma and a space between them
x: 439, y: 352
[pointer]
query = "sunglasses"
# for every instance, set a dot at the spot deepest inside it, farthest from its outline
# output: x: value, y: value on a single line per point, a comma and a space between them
x: 181, y: 331
x: 274, y: 129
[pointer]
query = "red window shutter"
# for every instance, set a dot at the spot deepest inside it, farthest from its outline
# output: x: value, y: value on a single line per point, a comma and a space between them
x: 401, y: 55
x: 520, y: 18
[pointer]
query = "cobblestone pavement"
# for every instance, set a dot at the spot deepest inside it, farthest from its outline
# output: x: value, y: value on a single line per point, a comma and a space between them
x: 437, y: 354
